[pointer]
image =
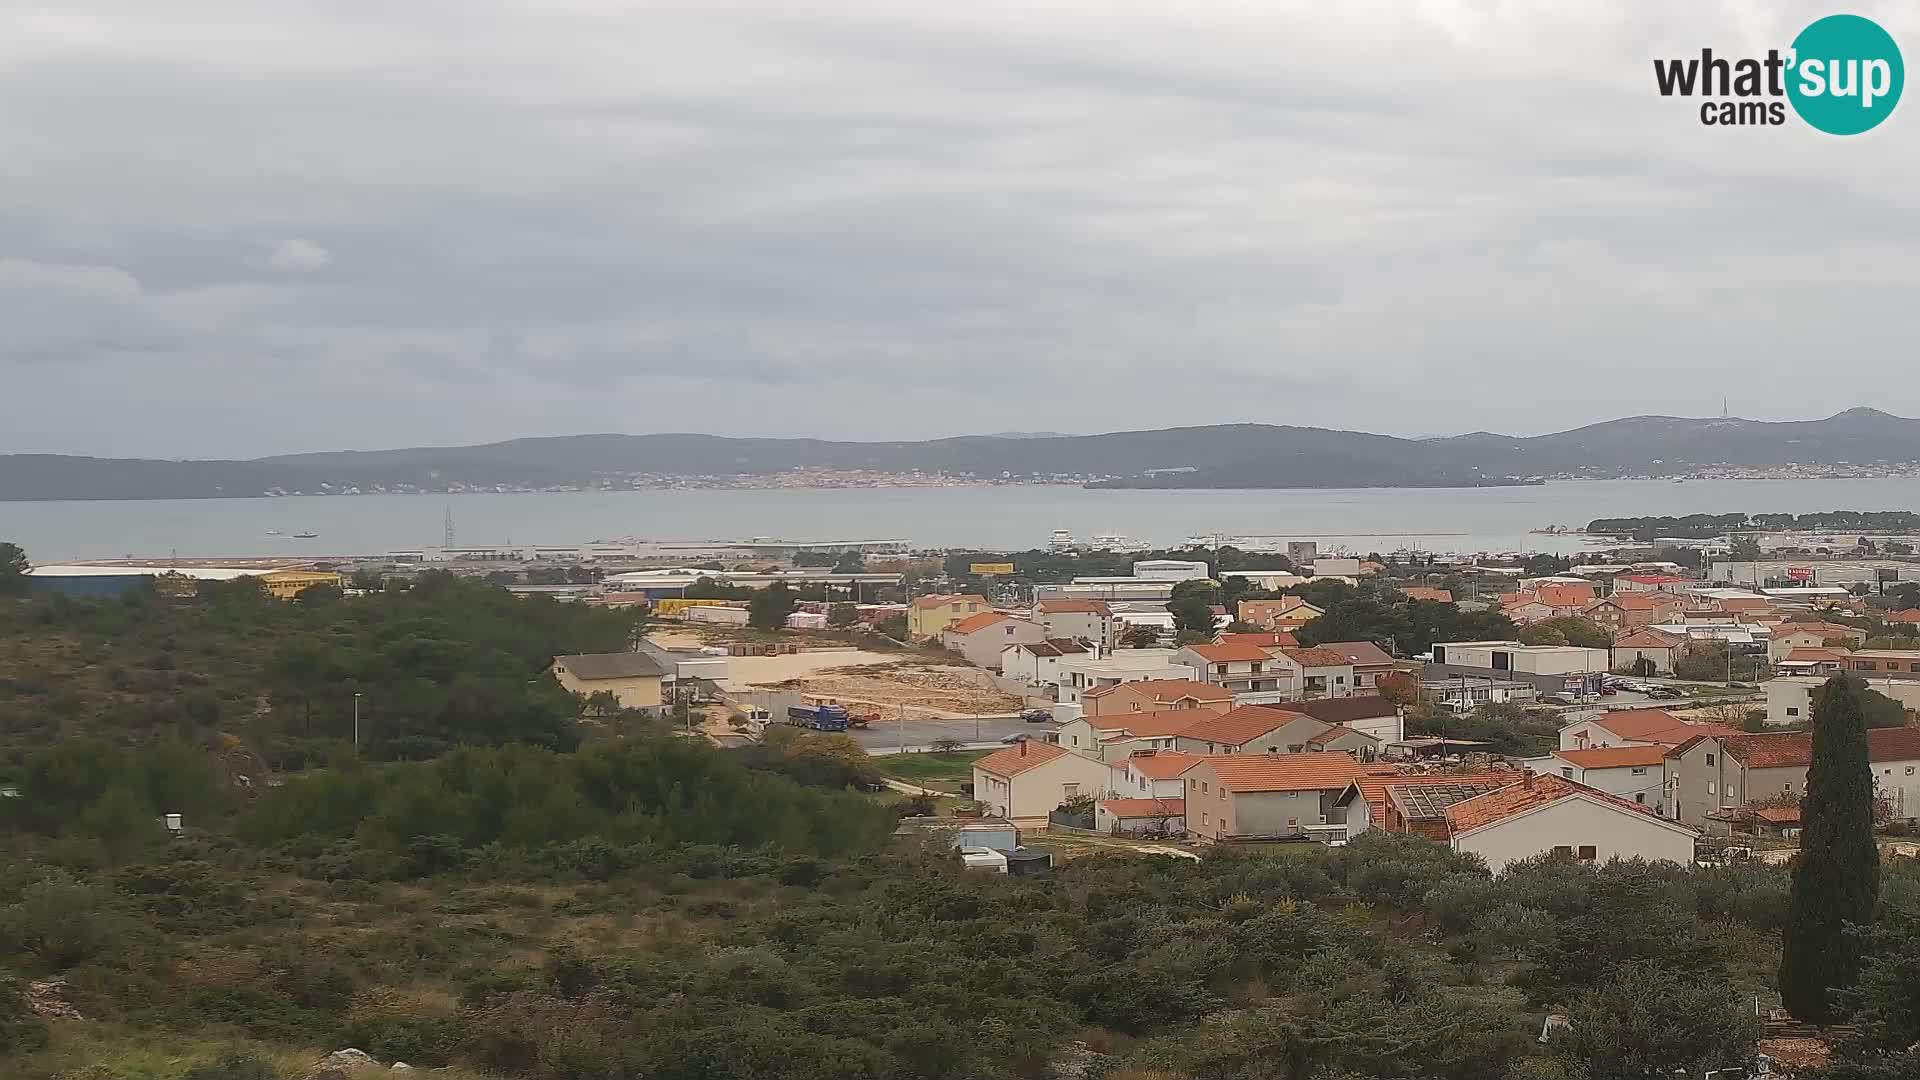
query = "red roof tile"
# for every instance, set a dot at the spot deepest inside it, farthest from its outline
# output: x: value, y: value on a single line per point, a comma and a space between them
x: 1173, y: 690
x: 974, y: 623
x: 1656, y: 726
x: 1531, y: 794
x: 1242, y: 773
x: 1359, y: 653
x: 1421, y: 592
x: 1272, y: 639
x: 1779, y: 751
x: 1150, y: 725
x: 1319, y: 656
x: 1014, y: 760
x: 1335, y: 733
x: 1614, y: 757
x: 1159, y: 764
x: 1239, y: 727
x: 1065, y: 607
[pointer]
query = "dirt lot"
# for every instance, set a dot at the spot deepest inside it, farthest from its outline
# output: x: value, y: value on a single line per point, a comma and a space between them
x: 917, y: 686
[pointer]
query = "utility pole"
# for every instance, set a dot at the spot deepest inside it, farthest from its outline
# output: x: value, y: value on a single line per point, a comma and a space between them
x: 356, y: 723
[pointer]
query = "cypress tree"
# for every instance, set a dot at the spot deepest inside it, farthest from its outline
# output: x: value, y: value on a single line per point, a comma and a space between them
x: 1838, y: 875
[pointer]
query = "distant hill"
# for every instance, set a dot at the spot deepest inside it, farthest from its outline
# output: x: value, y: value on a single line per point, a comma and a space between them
x: 1218, y: 456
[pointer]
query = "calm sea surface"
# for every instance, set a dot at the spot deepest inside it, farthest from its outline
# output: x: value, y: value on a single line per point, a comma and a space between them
x: 1364, y: 519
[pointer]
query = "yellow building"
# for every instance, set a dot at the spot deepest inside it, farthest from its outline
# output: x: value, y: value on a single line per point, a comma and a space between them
x: 287, y: 584
x: 674, y: 607
x: 929, y: 616
x: 632, y: 678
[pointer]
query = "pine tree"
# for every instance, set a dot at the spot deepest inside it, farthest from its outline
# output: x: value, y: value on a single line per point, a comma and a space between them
x: 1838, y: 875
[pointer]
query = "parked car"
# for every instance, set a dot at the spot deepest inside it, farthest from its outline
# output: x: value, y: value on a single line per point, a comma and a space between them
x: 1558, y: 699
x: 1663, y: 693
x: 1016, y: 737
x: 1036, y: 716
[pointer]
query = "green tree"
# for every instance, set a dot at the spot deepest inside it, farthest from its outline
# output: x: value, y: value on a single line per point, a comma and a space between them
x: 1887, y: 998
x: 13, y: 570
x: 1577, y: 631
x: 1542, y: 634
x: 1745, y: 549
x: 769, y: 607
x: 1837, y: 877
x: 1139, y: 637
x: 850, y: 562
x: 1192, y: 608
x: 1646, y: 1020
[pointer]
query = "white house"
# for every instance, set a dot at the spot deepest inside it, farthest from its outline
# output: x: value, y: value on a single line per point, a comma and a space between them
x: 1634, y: 727
x: 1028, y: 780
x: 1079, y: 674
x: 1634, y: 773
x: 1038, y: 662
x: 980, y: 638
x: 1234, y: 667
x: 1551, y: 814
x: 1150, y: 774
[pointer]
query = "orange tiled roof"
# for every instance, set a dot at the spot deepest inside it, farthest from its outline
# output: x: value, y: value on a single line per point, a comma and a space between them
x: 1242, y: 725
x: 1139, y: 808
x: 1614, y: 757
x: 973, y: 623
x: 1564, y: 595
x: 1656, y: 725
x: 1222, y: 654
x: 1014, y: 760
x: 1422, y: 592
x: 1173, y: 690
x: 1337, y: 731
x: 1905, y: 615
x: 1160, y: 764
x: 1360, y: 653
x: 1242, y: 773
x: 1524, y: 795
x: 1893, y: 744
x: 1062, y: 607
x: 1317, y: 657
x: 1151, y: 725
x: 1779, y: 815
x: 1801, y: 653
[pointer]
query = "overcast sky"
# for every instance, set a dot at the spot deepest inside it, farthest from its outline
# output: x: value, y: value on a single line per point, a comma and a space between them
x: 255, y: 226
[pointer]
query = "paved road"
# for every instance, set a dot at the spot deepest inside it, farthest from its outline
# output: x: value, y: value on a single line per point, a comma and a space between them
x: 888, y: 735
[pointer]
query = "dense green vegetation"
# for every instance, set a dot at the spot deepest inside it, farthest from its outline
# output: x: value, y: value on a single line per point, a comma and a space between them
x: 1704, y: 526
x: 436, y: 663
x: 498, y: 886
x: 1386, y: 617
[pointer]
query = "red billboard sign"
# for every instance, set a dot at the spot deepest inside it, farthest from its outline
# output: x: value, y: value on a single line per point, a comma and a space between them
x: 1799, y: 573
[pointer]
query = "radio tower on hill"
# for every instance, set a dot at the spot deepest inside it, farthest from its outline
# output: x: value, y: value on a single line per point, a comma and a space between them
x: 447, y: 541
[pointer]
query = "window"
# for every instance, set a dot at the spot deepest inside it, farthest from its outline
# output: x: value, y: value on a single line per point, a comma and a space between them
x: 1563, y: 849
x: 1203, y: 786
x: 1909, y: 770
x: 1638, y: 770
x: 1709, y: 760
x: 1640, y: 797
x: 1203, y: 817
x: 1793, y: 710
x: 1567, y: 772
x: 1710, y: 788
x: 1340, y: 680
x: 1588, y: 853
x: 1293, y: 823
x: 1069, y: 790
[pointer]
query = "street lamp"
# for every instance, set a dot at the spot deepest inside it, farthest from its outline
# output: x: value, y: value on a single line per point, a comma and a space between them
x: 356, y: 723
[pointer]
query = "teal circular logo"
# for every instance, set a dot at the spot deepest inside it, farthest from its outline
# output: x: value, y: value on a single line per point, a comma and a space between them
x: 1847, y: 75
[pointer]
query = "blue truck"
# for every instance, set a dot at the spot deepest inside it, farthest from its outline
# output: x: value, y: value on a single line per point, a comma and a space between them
x: 819, y: 717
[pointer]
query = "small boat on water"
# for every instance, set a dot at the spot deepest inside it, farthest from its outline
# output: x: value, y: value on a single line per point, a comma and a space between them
x: 305, y: 535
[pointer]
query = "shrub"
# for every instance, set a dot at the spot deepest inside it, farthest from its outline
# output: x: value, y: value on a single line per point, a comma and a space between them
x: 21, y: 1031
x: 240, y: 1066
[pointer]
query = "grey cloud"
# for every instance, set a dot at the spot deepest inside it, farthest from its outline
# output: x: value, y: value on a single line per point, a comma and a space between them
x: 459, y: 222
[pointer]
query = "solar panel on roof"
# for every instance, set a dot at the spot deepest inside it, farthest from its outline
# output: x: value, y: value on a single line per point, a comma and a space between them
x: 1432, y: 800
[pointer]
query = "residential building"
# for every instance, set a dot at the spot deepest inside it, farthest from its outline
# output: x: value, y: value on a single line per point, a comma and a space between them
x: 1078, y: 620
x: 1369, y: 714
x: 1460, y: 693
x: 1885, y: 663
x: 980, y: 639
x: 1029, y: 780
x: 1250, y: 729
x: 1037, y: 663
x: 1651, y: 583
x: 1080, y: 675
x: 1362, y: 746
x: 1150, y: 774
x: 1152, y: 817
x: 1904, y: 617
x: 1422, y: 592
x: 1287, y: 613
x: 1634, y: 727
x: 1269, y: 640
x: 1267, y: 796
x: 1634, y: 773
x: 287, y: 584
x: 1711, y: 773
x: 1551, y: 669
x: 1551, y: 814
x: 1804, y: 661
x: 1646, y: 651
x: 1790, y: 636
x: 1155, y: 695
x: 1413, y: 802
x: 1113, y: 737
x: 929, y: 616
x: 633, y: 678
x: 1239, y: 669
x: 1316, y: 672
x: 1368, y: 661
x: 1790, y: 697
x: 1625, y: 612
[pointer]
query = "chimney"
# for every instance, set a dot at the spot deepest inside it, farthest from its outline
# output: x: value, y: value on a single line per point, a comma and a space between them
x: 1023, y: 750
x: 1526, y: 775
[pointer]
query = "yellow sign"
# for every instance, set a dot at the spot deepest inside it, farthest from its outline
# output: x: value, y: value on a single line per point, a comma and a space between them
x: 984, y: 569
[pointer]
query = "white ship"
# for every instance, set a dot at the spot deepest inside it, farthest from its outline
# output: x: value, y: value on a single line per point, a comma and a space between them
x: 1061, y: 540
x: 1116, y: 543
